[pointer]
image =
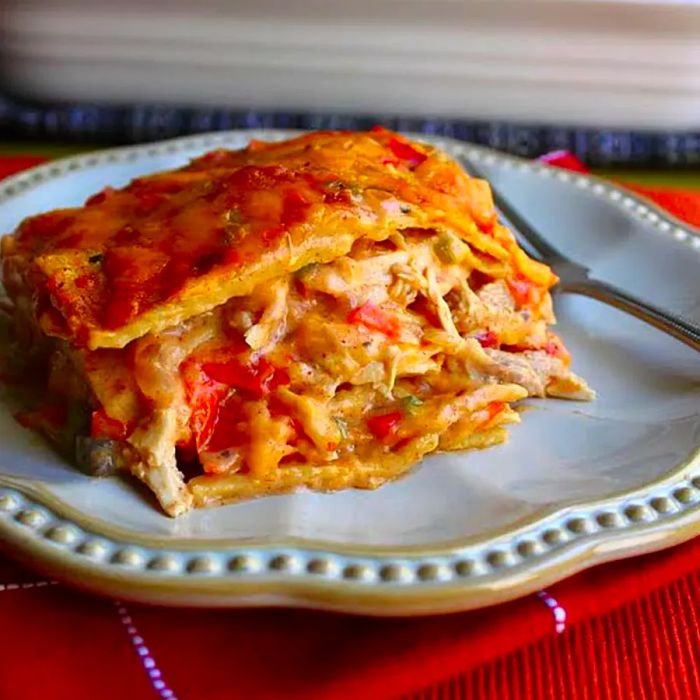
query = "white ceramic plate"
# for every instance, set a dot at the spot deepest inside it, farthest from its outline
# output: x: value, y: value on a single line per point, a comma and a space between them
x: 576, y: 485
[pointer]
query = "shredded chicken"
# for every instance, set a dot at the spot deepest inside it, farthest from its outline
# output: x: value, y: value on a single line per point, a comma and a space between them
x: 561, y: 382
x: 496, y: 297
x: 539, y: 373
x: 315, y: 419
x: 443, y: 310
x: 271, y: 326
x: 155, y: 444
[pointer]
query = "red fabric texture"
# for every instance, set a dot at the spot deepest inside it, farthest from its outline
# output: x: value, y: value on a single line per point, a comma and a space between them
x: 9, y: 165
x: 565, y: 160
x: 630, y: 631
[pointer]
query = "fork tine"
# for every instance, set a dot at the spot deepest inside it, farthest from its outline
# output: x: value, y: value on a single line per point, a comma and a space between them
x: 544, y: 250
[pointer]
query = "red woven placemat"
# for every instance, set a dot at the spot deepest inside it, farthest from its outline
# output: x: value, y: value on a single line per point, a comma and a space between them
x: 623, y: 630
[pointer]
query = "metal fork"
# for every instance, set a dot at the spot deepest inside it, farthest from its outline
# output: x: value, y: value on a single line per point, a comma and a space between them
x: 576, y: 279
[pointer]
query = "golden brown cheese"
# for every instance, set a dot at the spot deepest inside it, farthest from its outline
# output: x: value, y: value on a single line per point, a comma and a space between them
x: 175, y: 244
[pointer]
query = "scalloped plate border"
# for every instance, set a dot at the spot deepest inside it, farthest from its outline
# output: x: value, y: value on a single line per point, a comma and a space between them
x: 46, y: 533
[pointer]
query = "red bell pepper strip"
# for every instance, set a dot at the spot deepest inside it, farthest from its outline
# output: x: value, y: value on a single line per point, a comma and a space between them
x: 405, y: 152
x: 103, y: 426
x: 256, y: 379
x: 375, y: 318
x: 522, y: 290
x: 401, y: 149
x: 487, y: 339
x: 203, y: 397
x: 384, y: 426
x: 226, y: 432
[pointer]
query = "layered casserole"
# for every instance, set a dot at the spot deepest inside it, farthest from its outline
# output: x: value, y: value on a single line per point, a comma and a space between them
x: 315, y: 313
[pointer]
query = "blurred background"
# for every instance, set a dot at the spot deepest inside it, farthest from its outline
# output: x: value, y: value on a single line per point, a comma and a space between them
x: 615, y: 82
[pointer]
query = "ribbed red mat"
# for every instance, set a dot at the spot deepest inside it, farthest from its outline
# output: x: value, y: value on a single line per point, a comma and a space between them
x: 646, y: 650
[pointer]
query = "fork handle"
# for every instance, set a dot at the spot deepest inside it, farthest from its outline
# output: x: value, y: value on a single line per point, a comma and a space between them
x: 681, y: 328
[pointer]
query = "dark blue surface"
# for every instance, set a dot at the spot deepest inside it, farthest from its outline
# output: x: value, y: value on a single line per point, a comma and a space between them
x: 138, y: 123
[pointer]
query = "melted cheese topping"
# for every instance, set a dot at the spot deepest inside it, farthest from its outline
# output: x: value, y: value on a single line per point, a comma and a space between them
x: 175, y: 244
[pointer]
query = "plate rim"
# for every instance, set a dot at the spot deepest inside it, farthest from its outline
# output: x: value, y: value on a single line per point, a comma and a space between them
x: 462, y: 574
